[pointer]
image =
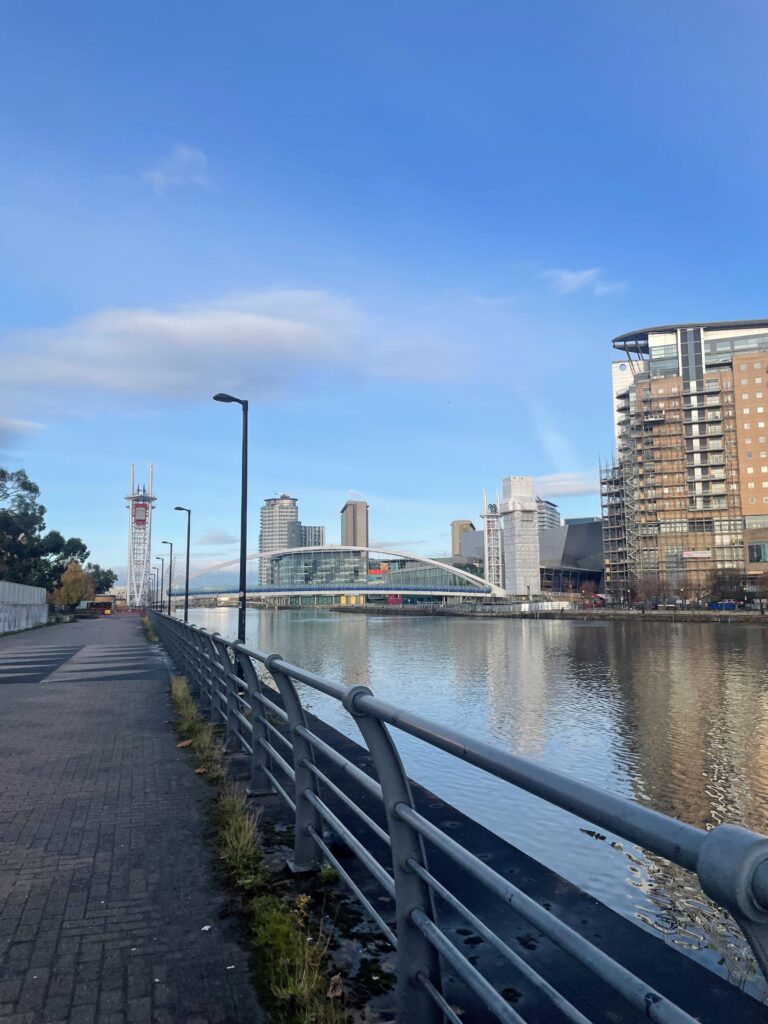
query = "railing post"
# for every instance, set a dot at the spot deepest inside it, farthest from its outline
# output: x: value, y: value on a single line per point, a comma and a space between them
x: 727, y: 868
x: 222, y: 668
x: 209, y: 663
x: 260, y: 784
x: 306, y: 856
x: 415, y: 954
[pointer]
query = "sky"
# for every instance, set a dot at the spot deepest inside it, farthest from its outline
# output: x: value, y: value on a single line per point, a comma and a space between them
x: 406, y: 233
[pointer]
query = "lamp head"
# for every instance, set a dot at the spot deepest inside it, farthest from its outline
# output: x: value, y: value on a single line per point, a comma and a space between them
x: 222, y: 397
x: 180, y: 508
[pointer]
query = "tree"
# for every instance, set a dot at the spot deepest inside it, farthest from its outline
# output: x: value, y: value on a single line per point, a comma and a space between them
x: 28, y: 554
x: 726, y: 585
x: 76, y: 586
x: 103, y: 579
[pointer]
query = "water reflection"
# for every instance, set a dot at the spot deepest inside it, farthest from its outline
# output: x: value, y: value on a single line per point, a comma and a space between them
x: 672, y: 715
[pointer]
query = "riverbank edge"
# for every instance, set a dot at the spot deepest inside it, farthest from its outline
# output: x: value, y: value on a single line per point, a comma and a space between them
x: 581, y: 614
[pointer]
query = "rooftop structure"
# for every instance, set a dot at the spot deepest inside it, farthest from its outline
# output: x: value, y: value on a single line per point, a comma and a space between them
x: 548, y: 513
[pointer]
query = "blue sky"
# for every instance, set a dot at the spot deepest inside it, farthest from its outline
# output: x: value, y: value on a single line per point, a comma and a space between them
x: 406, y: 232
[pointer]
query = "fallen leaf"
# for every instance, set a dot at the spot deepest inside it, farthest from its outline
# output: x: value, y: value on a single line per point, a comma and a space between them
x: 335, y: 989
x: 184, y: 743
x: 200, y: 771
x: 205, y: 928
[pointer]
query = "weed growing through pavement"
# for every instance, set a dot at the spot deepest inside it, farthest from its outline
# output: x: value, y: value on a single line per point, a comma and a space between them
x: 149, y: 631
x: 290, y: 962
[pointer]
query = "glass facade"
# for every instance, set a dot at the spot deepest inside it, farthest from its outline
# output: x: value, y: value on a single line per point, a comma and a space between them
x: 758, y: 552
x: 335, y: 570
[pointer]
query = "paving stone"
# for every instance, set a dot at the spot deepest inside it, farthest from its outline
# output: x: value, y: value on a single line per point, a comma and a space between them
x: 106, y: 876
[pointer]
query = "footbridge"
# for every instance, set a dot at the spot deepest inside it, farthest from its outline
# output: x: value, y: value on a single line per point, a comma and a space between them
x: 335, y: 570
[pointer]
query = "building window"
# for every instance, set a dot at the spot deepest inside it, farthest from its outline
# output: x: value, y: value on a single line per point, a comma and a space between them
x: 749, y: 455
x: 743, y: 366
x: 744, y: 380
x: 751, y: 486
x: 753, y: 501
x: 757, y: 366
x: 758, y: 552
x: 745, y: 410
x: 745, y: 396
x: 760, y: 408
x: 758, y: 380
x: 750, y: 469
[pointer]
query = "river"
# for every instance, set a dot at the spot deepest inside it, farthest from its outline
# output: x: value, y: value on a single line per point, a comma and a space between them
x: 672, y: 715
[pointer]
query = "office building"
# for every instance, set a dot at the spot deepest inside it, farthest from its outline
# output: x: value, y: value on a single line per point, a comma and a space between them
x: 548, y: 513
x: 312, y: 536
x: 280, y: 528
x: 354, y: 524
x: 519, y: 536
x: 687, y: 493
x: 459, y: 526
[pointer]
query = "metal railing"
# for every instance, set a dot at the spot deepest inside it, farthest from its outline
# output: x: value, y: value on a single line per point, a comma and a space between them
x: 731, y: 862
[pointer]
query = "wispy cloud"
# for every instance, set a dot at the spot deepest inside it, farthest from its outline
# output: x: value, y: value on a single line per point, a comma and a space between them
x: 184, y: 165
x: 562, y: 485
x: 13, y: 431
x: 565, y: 282
x: 258, y: 340
x: 217, y: 537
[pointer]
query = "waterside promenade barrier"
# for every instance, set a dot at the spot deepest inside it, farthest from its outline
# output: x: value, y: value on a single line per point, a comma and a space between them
x: 731, y: 862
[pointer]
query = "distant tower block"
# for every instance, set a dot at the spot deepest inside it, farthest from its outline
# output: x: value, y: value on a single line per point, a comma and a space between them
x: 139, y: 502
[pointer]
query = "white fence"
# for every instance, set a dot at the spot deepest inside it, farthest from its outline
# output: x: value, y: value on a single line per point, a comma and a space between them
x: 21, y: 607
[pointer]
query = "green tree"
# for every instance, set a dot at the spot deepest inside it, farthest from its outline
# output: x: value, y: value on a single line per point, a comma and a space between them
x: 103, y: 579
x: 27, y: 553
x: 76, y: 586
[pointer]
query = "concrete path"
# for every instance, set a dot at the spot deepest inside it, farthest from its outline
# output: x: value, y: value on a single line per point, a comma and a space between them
x: 106, y: 879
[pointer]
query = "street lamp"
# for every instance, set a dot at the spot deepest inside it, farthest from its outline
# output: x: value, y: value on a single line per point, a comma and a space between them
x: 152, y: 587
x: 161, y: 560
x: 243, y: 509
x: 180, y: 508
x: 170, y: 572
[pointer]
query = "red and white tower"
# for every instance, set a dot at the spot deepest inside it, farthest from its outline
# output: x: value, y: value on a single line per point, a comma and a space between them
x: 139, y: 502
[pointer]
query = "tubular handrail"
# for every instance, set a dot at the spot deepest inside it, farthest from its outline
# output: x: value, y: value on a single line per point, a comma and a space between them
x: 730, y: 862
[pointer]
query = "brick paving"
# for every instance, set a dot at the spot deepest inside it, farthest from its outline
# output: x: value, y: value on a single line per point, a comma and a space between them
x: 106, y: 877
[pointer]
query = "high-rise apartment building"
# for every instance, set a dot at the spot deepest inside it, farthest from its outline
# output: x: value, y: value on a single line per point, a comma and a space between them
x: 354, y: 524
x: 280, y: 528
x: 548, y: 514
x: 520, y: 536
x: 687, y: 494
x: 459, y: 526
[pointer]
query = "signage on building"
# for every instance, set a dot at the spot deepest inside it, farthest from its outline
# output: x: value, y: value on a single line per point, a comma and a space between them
x: 697, y: 554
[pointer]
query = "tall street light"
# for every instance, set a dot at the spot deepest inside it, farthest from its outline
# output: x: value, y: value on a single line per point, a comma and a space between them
x: 170, y: 572
x: 153, y: 587
x: 243, y: 510
x: 161, y: 560
x: 180, y: 508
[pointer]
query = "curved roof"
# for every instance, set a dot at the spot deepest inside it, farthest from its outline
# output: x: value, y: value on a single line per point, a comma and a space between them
x: 637, y: 341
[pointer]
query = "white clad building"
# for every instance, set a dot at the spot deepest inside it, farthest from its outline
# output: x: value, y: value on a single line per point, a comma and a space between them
x: 520, y: 536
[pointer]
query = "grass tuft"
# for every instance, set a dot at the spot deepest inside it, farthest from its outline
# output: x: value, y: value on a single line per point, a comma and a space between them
x: 149, y: 631
x: 290, y: 963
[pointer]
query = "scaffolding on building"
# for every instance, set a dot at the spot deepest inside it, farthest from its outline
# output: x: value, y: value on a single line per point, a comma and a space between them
x: 492, y: 543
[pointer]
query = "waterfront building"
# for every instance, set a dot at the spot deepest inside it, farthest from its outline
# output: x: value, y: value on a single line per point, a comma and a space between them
x: 548, y: 513
x: 312, y: 536
x: 316, y: 569
x: 354, y: 524
x: 687, y: 493
x: 571, y: 556
x: 459, y: 526
x: 519, y: 536
x: 280, y: 528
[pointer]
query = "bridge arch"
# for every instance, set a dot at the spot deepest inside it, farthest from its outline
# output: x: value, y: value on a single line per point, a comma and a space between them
x: 476, y: 581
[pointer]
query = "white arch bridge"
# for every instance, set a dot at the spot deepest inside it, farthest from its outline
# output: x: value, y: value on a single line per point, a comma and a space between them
x: 330, y: 573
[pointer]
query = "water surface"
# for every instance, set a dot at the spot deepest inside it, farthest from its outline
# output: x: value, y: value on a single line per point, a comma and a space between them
x: 672, y: 715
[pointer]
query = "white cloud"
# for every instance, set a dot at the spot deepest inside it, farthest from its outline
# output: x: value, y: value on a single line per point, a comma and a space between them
x: 254, y: 342
x: 184, y: 165
x: 554, y: 485
x: 12, y: 431
x: 565, y: 282
x: 217, y: 537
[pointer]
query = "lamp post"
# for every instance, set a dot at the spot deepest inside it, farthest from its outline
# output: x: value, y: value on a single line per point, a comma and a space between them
x: 180, y: 508
x: 161, y: 560
x: 170, y: 572
x: 220, y: 397
x: 153, y: 588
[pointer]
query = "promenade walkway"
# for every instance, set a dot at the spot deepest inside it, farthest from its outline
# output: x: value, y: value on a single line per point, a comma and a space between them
x: 109, y: 908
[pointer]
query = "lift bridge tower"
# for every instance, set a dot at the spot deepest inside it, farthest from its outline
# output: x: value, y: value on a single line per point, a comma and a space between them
x: 139, y: 502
